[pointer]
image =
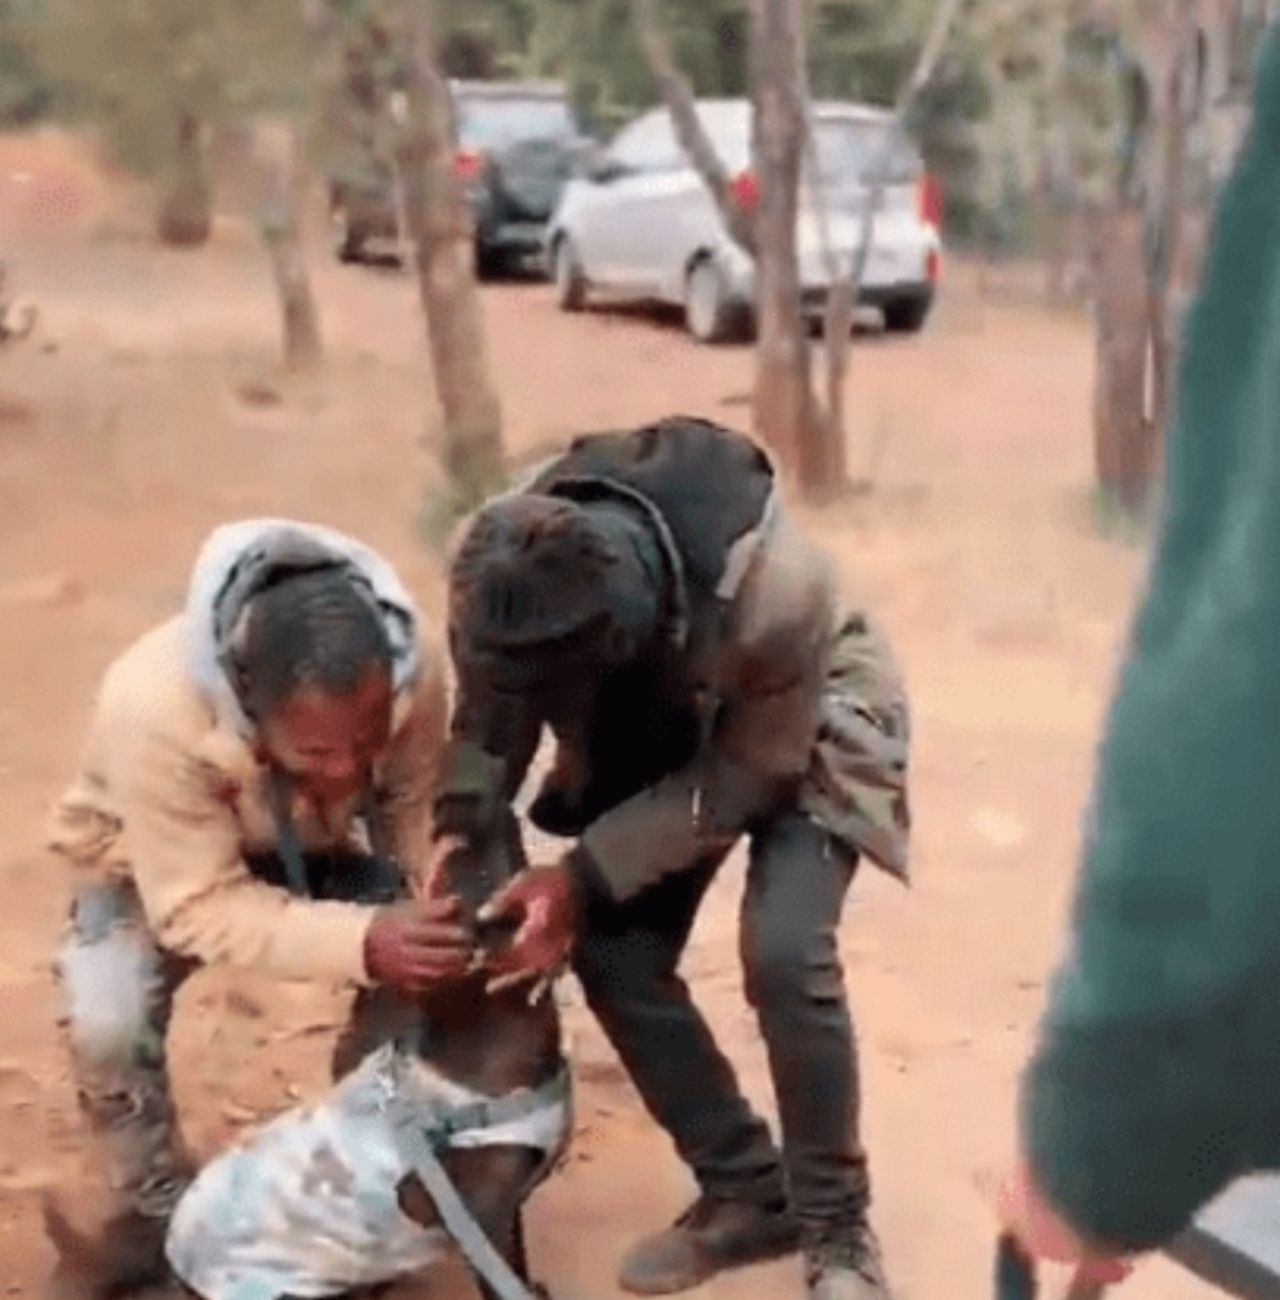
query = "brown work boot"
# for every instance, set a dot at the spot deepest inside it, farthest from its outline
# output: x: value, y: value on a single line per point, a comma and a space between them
x: 712, y: 1235
x: 845, y: 1264
x: 121, y: 1255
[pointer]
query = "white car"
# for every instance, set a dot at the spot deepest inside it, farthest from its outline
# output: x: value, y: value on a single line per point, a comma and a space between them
x: 639, y: 224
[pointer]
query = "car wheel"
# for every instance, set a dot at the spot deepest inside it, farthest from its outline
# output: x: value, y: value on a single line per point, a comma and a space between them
x: 348, y: 241
x: 566, y: 274
x: 906, y: 315
x: 710, y: 314
x: 491, y: 264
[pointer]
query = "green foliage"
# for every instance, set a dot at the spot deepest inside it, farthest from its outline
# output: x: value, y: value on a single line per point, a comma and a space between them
x: 1030, y: 108
x: 25, y: 93
x: 135, y: 67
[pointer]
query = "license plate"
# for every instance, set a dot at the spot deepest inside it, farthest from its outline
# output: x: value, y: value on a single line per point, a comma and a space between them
x: 523, y: 232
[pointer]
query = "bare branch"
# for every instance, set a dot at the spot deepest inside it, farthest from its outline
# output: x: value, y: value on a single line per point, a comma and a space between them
x: 439, y: 226
x: 930, y: 53
x: 1166, y: 198
x: 786, y: 414
x: 280, y: 227
x: 681, y: 103
x: 842, y: 299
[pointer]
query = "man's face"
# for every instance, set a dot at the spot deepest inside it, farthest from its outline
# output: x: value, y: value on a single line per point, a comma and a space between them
x: 328, y: 742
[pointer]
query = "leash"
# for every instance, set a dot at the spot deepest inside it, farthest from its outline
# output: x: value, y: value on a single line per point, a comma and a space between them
x: 422, y: 1147
x: 1015, y: 1276
x: 461, y: 1225
x: 280, y: 791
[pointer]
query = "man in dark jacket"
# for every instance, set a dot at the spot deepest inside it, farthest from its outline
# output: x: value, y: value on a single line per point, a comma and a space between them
x: 646, y: 599
x: 1155, y: 1081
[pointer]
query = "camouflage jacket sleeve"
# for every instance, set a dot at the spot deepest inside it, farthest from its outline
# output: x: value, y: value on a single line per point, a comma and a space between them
x: 857, y: 781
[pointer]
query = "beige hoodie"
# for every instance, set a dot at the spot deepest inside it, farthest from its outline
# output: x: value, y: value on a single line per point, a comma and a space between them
x: 170, y: 794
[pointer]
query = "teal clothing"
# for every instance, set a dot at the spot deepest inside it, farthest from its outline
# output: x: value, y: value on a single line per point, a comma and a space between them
x: 1156, y: 1080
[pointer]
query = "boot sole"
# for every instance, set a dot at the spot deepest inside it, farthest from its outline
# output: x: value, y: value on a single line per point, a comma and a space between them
x: 766, y: 1255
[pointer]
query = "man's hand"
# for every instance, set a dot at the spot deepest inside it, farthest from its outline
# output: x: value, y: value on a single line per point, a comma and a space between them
x: 417, y: 947
x: 1044, y: 1234
x: 542, y: 900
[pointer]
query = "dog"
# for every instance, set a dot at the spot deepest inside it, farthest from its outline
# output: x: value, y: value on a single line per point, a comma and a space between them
x: 330, y: 1198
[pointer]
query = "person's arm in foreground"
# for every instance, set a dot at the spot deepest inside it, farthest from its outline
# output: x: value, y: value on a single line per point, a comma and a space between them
x: 1154, y: 1081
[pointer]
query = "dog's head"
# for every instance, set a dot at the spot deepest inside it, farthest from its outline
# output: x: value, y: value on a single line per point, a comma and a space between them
x: 477, y: 870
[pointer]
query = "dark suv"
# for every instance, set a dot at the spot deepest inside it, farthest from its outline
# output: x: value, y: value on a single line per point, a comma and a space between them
x: 518, y: 144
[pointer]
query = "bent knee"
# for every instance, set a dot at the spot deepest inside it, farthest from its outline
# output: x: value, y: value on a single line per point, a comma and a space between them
x: 108, y: 984
x: 783, y: 964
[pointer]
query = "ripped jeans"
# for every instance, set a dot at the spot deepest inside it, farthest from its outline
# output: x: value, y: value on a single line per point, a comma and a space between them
x: 119, y: 987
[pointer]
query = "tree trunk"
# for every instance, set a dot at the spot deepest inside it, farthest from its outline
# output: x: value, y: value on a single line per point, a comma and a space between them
x: 842, y: 300
x: 1174, y: 84
x: 786, y: 414
x: 440, y: 231
x: 280, y: 225
x: 677, y: 94
x: 1124, y: 436
x: 1137, y: 251
x: 185, y: 215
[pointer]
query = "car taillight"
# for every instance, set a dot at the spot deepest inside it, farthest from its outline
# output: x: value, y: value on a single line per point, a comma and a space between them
x: 929, y: 199
x: 933, y: 266
x: 467, y: 165
x: 744, y: 189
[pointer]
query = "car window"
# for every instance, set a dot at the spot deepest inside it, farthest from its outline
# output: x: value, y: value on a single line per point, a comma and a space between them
x: 647, y: 145
x: 846, y: 149
x: 496, y: 122
x: 728, y: 127
x: 650, y: 143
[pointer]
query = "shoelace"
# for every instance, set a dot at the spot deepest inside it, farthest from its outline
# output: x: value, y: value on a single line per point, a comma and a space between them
x: 856, y: 1254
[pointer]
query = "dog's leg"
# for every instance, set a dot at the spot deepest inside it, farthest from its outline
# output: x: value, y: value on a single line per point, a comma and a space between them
x: 492, y: 1182
x: 519, y: 1257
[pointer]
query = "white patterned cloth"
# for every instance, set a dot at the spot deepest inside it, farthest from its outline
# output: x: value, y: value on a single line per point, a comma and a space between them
x: 308, y: 1206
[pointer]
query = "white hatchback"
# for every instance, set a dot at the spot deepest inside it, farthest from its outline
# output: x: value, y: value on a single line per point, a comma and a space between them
x: 639, y: 225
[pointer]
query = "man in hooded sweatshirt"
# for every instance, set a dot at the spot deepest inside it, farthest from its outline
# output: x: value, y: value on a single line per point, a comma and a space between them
x: 255, y: 791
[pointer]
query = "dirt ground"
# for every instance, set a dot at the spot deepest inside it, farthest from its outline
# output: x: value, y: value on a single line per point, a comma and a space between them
x: 148, y: 408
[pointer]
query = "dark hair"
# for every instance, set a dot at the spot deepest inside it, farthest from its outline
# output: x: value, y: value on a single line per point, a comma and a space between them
x: 536, y: 571
x: 529, y: 569
x: 314, y: 628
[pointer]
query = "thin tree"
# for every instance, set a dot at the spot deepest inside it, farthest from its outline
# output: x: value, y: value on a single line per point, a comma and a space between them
x: 440, y: 232
x: 280, y: 227
x: 786, y: 412
x: 678, y: 96
x: 810, y: 441
x: 847, y: 280
x: 151, y: 76
x: 1137, y: 244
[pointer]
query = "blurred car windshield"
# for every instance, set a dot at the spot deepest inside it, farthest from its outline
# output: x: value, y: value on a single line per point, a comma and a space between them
x: 495, y: 123
x: 846, y: 149
x: 845, y: 146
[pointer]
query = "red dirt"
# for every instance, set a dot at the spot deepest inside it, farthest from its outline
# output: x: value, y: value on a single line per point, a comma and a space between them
x: 122, y: 440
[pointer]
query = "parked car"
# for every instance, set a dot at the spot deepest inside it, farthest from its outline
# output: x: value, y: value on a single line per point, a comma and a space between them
x: 639, y: 224
x: 518, y: 144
